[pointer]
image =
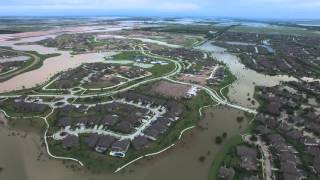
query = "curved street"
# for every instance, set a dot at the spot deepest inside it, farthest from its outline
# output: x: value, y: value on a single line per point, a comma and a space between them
x: 35, y: 60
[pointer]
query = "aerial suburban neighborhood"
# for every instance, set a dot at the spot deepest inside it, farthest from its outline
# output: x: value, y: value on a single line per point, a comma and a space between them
x: 159, y: 97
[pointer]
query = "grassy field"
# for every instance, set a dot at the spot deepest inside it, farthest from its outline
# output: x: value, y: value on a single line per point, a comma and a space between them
x: 38, y: 125
x: 98, y: 84
x: 126, y: 55
x: 159, y: 70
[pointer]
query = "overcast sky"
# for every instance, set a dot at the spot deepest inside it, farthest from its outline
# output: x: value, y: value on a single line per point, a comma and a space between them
x: 230, y: 8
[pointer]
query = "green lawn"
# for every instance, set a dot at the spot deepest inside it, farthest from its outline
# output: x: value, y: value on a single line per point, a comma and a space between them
x: 98, y: 84
x: 222, y: 156
x: 159, y: 70
x: 126, y: 55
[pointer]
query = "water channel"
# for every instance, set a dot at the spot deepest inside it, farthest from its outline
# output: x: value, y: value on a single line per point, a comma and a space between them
x: 243, y: 88
x: 23, y: 157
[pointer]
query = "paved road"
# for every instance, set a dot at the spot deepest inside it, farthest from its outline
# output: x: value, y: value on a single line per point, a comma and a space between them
x: 157, y: 112
x: 214, y: 95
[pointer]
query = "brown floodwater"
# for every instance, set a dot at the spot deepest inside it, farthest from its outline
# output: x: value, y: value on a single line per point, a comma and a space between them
x: 50, y: 67
x: 19, y: 154
x: 243, y: 88
x: 23, y: 158
x: 53, y: 65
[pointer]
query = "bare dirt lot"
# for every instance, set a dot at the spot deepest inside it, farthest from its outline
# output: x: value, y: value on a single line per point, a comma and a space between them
x: 170, y: 89
x: 198, y: 79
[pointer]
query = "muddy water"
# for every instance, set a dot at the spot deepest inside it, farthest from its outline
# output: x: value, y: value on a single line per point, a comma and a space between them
x: 243, y: 89
x: 146, y: 40
x: 19, y: 155
x: 50, y: 66
x: 23, y: 158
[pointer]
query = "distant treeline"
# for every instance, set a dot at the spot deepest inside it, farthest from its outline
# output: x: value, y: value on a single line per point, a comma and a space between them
x: 310, y: 27
x: 8, y: 32
x: 188, y: 29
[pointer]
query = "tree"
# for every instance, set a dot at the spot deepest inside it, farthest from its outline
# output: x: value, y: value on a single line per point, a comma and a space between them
x: 202, y: 158
x: 240, y: 119
x: 224, y: 135
x: 218, y: 140
x: 253, y: 138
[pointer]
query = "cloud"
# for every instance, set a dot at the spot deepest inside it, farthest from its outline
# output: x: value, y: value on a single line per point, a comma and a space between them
x: 166, y: 5
x: 285, y: 4
x: 179, y: 6
x: 234, y: 8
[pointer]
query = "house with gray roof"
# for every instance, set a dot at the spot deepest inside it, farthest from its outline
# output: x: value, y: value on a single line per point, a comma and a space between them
x: 92, y: 140
x: 140, y: 143
x: 226, y: 173
x: 109, y: 120
x: 70, y: 141
x: 248, y: 157
x: 120, y: 146
x: 104, y: 143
